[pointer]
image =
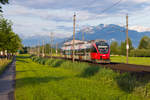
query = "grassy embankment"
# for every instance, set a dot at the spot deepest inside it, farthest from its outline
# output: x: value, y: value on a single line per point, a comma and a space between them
x: 132, y: 60
x: 3, y: 64
x: 122, y: 59
x: 55, y: 79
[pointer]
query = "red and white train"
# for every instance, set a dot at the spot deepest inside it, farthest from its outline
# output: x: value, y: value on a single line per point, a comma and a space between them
x: 93, y: 50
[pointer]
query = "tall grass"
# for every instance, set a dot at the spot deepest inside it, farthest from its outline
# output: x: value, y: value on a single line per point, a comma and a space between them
x: 3, y: 64
x: 57, y: 79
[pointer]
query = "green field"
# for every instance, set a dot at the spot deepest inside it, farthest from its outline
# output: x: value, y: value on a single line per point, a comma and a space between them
x: 132, y: 60
x: 55, y: 79
x: 3, y: 64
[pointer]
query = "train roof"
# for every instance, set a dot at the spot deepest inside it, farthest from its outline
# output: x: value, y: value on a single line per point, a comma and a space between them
x: 76, y: 42
x: 83, y: 42
x: 80, y: 44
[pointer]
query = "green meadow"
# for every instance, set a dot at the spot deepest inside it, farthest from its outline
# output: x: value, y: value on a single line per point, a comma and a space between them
x: 132, y: 60
x: 57, y: 79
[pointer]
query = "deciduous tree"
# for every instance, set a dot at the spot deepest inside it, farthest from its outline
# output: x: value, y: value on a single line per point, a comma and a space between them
x: 3, y: 2
x: 114, y: 47
x: 144, y: 43
x: 8, y: 39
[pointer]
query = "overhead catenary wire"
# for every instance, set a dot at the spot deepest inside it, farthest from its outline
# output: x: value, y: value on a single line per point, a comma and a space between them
x: 108, y: 8
x: 113, y: 5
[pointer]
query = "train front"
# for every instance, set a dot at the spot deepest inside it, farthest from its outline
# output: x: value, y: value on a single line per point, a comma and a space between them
x: 100, y: 52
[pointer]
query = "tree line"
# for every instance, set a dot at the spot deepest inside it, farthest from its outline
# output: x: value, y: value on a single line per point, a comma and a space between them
x: 46, y: 49
x: 9, y: 41
x: 143, y: 49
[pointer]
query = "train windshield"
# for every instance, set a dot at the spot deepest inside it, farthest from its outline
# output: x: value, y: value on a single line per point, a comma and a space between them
x: 103, y: 47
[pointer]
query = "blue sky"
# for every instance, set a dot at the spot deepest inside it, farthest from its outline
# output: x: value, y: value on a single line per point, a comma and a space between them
x: 40, y: 17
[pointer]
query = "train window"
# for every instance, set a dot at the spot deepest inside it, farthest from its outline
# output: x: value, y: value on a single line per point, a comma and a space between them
x: 101, y: 43
x: 103, y: 47
x: 103, y: 50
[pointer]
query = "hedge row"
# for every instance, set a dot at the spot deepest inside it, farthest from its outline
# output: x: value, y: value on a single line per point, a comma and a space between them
x: 76, y: 66
x: 140, y: 53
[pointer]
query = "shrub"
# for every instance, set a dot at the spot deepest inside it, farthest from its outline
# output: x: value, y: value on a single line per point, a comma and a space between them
x: 140, y: 53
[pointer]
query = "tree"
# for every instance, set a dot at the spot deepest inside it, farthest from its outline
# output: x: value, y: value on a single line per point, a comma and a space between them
x: 14, y: 43
x: 123, y: 46
x: 8, y: 39
x: 3, y: 2
x: 144, y: 43
x: 114, y: 47
x: 47, y: 48
x: 5, y: 29
x: 130, y: 44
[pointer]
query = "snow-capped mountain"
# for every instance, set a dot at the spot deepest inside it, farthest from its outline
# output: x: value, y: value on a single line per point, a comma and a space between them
x: 110, y: 32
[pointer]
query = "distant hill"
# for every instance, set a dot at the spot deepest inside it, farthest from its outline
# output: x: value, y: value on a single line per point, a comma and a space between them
x: 34, y: 40
x: 109, y: 32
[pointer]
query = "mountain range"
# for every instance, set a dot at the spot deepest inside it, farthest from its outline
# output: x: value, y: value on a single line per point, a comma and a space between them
x: 110, y: 32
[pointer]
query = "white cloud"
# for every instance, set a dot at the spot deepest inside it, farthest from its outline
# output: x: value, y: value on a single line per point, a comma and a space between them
x: 140, y: 28
x: 141, y: 1
x: 39, y: 17
x: 31, y: 22
x: 50, y: 14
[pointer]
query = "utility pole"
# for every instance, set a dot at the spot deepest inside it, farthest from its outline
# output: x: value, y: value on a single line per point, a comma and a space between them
x: 84, y: 43
x: 82, y: 36
x: 74, y: 20
x: 127, y: 44
x: 51, y: 42
x: 38, y: 49
x: 43, y: 49
x: 56, y: 48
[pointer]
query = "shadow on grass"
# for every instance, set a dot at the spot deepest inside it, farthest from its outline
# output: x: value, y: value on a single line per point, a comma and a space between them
x: 50, y: 62
x: 58, y: 63
x: 24, y: 57
x: 129, y: 81
x: 22, y: 61
x: 90, y: 71
x: 35, y: 80
x: 22, y: 71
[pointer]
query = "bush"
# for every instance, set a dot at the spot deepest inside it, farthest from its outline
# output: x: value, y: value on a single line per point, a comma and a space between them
x: 77, y: 66
x: 140, y: 53
x: 43, y: 61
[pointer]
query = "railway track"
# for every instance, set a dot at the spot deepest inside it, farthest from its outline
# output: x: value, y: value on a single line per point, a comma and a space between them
x: 122, y: 67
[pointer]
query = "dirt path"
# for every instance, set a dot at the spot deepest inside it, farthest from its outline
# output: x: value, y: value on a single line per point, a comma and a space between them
x: 7, y: 82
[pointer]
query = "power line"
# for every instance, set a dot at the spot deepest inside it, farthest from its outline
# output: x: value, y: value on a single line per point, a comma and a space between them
x: 73, y: 45
x: 115, y: 4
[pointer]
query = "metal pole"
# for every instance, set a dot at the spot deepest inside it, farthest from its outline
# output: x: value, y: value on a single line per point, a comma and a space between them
x: 83, y: 36
x: 74, y: 19
x: 43, y: 49
x: 51, y: 37
x: 38, y: 49
x: 84, y: 43
x: 127, y: 44
x: 56, y: 48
